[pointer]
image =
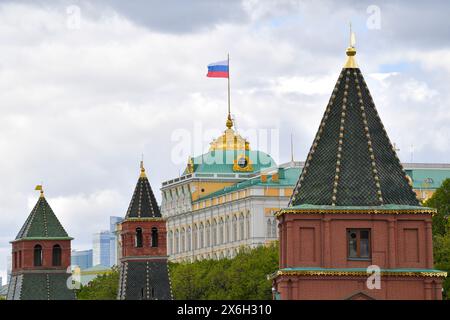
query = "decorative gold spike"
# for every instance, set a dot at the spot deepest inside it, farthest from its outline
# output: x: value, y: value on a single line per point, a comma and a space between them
x: 143, y: 175
x: 41, y: 189
x: 351, y: 52
x: 229, y: 123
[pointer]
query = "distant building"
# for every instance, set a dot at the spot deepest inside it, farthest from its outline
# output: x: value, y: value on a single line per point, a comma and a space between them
x: 82, y: 258
x: 102, y: 248
x: 8, y: 268
x: 113, y: 221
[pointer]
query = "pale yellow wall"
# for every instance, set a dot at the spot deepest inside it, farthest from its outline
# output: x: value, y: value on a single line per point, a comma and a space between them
x: 270, y: 211
x: 208, y: 186
x: 272, y: 192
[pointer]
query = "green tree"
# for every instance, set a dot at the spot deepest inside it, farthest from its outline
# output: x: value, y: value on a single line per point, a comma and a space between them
x: 244, y: 277
x: 441, y: 231
x: 441, y: 201
x: 441, y: 250
x: 104, y: 287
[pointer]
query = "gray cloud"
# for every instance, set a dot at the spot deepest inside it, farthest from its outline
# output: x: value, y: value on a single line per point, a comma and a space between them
x: 80, y: 106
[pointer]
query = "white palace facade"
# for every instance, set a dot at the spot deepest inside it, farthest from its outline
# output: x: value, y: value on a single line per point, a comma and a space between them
x: 225, y: 200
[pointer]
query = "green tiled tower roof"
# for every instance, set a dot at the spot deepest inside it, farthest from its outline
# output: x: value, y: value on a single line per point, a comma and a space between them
x: 42, y: 223
x: 143, y: 203
x: 351, y: 161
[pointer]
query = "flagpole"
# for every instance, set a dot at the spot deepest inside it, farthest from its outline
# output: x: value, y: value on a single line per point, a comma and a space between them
x: 229, y: 108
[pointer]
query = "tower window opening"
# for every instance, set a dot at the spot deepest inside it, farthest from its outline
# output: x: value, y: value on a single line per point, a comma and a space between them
x: 138, y: 239
x: 154, y: 237
x: 37, y: 255
x: 56, y: 255
x: 358, y: 243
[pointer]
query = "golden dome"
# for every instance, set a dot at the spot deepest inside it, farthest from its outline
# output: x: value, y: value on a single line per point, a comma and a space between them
x: 229, y: 140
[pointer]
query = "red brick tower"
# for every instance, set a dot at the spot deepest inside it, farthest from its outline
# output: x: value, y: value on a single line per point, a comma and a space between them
x: 144, y: 272
x: 40, y: 257
x: 353, y: 208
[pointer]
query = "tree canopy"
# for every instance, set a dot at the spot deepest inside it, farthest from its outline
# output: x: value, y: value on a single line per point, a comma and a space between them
x: 441, y: 201
x: 441, y: 231
x: 242, y: 278
x: 104, y: 287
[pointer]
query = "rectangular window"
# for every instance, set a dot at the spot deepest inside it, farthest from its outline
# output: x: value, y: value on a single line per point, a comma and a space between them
x: 358, y: 244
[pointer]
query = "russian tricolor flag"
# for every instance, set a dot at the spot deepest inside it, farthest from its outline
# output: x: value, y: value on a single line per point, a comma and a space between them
x: 218, y: 69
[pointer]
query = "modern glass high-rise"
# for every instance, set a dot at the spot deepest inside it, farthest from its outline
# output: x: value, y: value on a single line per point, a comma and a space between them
x: 105, y: 245
x: 102, y: 248
x: 82, y: 258
x: 113, y: 221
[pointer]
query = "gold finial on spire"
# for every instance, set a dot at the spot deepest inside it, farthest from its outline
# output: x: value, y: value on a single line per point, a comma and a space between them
x: 351, y: 51
x: 229, y: 122
x: 143, y: 175
x: 41, y: 189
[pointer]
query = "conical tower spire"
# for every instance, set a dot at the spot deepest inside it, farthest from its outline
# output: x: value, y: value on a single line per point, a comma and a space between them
x: 352, y: 161
x: 42, y: 222
x: 143, y: 203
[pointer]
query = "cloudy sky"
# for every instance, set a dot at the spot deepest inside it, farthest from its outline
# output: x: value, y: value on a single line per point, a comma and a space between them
x: 87, y: 87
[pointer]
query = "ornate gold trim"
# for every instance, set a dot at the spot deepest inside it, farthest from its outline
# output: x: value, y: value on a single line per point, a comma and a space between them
x: 247, y: 168
x: 355, y: 211
x: 437, y: 274
x: 144, y: 219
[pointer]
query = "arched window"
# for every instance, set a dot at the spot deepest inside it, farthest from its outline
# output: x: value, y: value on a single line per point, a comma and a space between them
x: 195, y: 238
x: 214, y: 233
x: 37, y: 255
x: 274, y: 228
x: 241, y: 227
x: 202, y: 236
x: 189, y: 239
x: 154, y: 237
x: 247, y: 218
x: 56, y: 255
x: 221, y: 231
x: 208, y: 234
x: 269, y: 228
x: 235, y: 234
x: 177, y: 241
x: 170, y: 242
x: 227, y: 229
x: 183, y: 240
x: 138, y: 238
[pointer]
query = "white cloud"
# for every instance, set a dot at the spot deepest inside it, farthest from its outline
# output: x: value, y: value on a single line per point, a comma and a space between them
x: 305, y: 85
x: 78, y: 107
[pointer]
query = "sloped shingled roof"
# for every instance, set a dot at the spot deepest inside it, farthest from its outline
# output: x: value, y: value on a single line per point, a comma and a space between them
x: 352, y: 162
x: 42, y: 223
x: 40, y: 286
x: 143, y: 203
x: 144, y: 280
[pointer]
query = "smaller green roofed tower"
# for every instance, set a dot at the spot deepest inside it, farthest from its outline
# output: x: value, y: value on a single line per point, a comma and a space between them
x: 41, y: 257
